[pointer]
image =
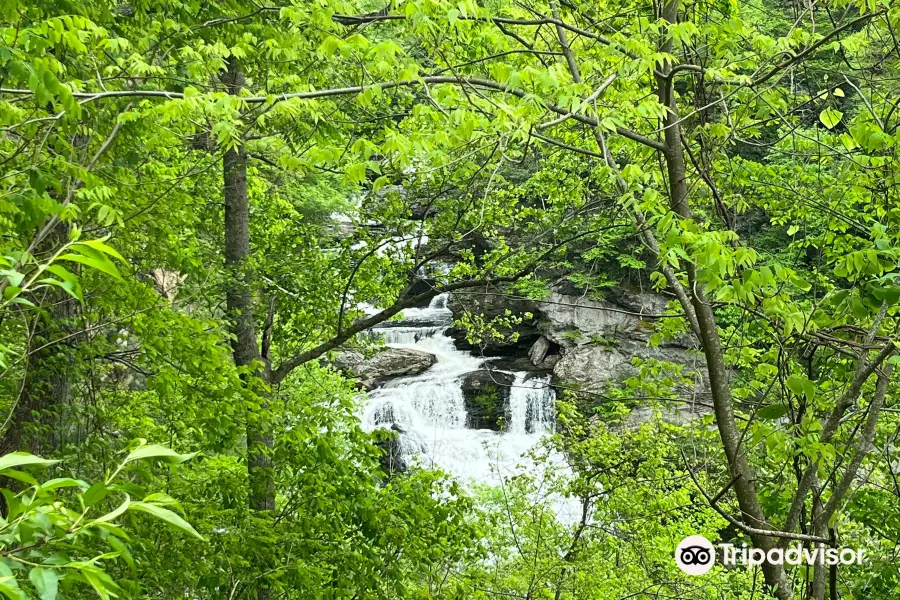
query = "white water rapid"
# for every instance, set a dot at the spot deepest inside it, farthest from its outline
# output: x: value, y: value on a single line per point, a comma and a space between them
x: 430, y: 411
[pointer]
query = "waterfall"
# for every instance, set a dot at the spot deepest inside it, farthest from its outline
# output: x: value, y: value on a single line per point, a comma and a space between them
x: 405, y: 336
x: 531, y: 405
x: 428, y: 401
x: 439, y: 302
x: 430, y: 410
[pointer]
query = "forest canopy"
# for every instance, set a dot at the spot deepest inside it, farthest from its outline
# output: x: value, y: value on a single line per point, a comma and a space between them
x: 436, y: 299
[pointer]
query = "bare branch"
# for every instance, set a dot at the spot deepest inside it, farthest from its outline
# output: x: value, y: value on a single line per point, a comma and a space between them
x: 713, y: 502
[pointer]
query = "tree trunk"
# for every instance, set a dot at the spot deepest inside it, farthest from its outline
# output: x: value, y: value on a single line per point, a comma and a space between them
x: 239, y: 303
x: 719, y: 379
x: 47, y: 387
x: 33, y: 419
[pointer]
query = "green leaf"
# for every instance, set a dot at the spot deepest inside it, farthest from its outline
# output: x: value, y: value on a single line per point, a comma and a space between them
x: 858, y: 309
x: 99, y: 245
x: 20, y: 476
x: 160, y: 452
x: 11, y: 291
x: 796, y: 383
x: 801, y: 386
x: 9, y: 587
x: 890, y: 294
x: 22, y: 301
x: 67, y: 281
x: 63, y: 482
x: 62, y: 272
x: 772, y: 411
x: 836, y: 298
x: 123, y: 551
x: 105, y: 587
x: 14, y: 277
x: 830, y: 117
x: 801, y: 283
x: 95, y: 494
x: 114, y: 514
x: 160, y: 499
x: 18, y: 459
x: 102, y: 263
x: 168, y: 516
x: 45, y: 581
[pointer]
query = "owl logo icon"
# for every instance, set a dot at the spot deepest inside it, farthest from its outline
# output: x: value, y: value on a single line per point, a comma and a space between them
x: 695, y: 555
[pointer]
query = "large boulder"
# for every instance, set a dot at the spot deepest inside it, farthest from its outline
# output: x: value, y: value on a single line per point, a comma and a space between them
x: 385, y: 364
x: 486, y: 396
x: 593, y: 368
x: 539, y: 350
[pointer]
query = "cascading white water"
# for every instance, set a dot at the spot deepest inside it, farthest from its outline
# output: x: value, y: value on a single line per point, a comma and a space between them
x: 531, y: 405
x: 439, y: 302
x: 406, y: 337
x: 430, y: 410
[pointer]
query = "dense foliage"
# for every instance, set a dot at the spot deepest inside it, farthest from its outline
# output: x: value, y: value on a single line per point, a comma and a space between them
x: 197, y: 197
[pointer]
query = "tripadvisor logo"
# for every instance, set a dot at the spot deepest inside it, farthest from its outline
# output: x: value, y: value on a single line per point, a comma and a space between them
x: 695, y: 555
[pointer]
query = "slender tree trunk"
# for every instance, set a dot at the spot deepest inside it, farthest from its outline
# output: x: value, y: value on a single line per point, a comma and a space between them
x: 817, y: 589
x: 719, y: 378
x: 47, y: 386
x: 32, y: 421
x: 239, y: 303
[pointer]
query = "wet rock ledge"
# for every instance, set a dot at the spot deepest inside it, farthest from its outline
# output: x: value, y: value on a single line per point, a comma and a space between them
x: 385, y: 364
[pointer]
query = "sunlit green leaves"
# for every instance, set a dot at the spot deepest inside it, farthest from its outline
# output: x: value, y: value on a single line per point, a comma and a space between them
x: 94, y: 255
x: 162, y: 453
x: 21, y: 459
x: 801, y: 386
x: 772, y: 411
x: 830, y: 117
x: 56, y: 537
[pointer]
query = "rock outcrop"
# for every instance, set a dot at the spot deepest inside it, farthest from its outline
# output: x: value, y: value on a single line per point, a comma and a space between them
x: 593, y: 368
x: 388, y: 440
x: 385, y: 364
x: 572, y: 320
x: 588, y: 344
x: 491, y: 305
x: 486, y: 396
x: 538, y: 351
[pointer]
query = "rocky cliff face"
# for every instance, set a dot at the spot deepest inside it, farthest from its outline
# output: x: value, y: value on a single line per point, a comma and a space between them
x: 587, y: 344
x: 594, y: 368
x: 572, y: 320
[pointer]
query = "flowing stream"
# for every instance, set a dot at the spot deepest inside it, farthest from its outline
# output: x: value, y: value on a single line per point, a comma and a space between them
x: 430, y: 411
